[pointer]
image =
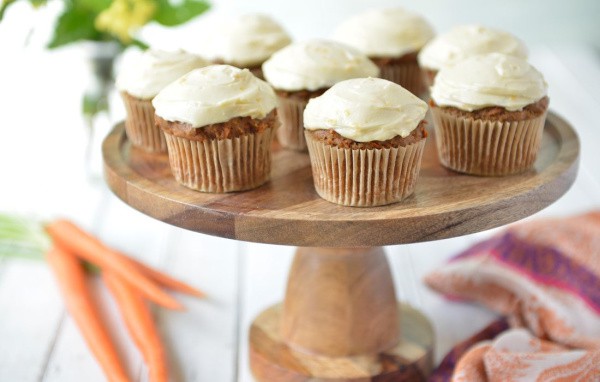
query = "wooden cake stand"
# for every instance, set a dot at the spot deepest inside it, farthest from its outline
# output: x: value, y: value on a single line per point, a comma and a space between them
x: 340, y: 320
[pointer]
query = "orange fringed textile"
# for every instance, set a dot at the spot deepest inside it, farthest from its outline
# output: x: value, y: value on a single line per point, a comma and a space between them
x: 544, y: 276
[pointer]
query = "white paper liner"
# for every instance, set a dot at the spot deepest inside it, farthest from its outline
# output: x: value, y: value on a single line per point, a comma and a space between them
x: 407, y: 75
x: 221, y: 165
x: 291, y: 132
x: 364, y: 178
x: 489, y: 148
x: 140, y: 126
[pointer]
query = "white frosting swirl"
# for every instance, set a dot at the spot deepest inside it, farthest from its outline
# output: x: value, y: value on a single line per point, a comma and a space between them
x: 468, y: 40
x: 385, y: 32
x: 316, y: 64
x: 493, y: 79
x: 247, y: 40
x: 147, y: 74
x: 366, y: 109
x: 215, y: 94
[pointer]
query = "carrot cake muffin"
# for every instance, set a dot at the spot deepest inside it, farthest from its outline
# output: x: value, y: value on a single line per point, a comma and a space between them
x: 489, y: 113
x: 305, y: 70
x: 463, y: 41
x: 219, y: 122
x: 392, y: 38
x: 246, y: 41
x: 365, y: 140
x: 139, y: 81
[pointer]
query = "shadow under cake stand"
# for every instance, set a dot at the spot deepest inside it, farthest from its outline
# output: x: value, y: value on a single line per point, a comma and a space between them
x: 340, y: 320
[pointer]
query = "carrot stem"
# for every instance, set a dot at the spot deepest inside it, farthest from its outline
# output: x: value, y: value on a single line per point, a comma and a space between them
x: 70, y: 275
x: 140, y: 324
x: 72, y: 238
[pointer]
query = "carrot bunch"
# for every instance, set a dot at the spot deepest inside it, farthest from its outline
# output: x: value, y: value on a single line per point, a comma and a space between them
x: 131, y: 283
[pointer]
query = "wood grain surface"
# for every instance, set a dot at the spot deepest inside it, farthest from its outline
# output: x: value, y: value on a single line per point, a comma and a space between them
x: 340, y: 302
x: 287, y: 210
x: 273, y: 360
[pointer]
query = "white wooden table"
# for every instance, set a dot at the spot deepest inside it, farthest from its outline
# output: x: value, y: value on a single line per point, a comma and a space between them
x: 41, y: 151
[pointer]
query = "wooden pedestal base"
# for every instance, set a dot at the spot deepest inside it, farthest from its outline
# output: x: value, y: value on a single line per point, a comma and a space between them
x: 272, y: 360
x: 340, y: 321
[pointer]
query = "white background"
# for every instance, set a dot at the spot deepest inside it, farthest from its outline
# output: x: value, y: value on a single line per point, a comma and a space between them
x: 42, y: 145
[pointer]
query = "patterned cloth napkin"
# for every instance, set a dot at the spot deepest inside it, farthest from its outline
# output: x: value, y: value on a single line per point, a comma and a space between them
x: 544, y: 277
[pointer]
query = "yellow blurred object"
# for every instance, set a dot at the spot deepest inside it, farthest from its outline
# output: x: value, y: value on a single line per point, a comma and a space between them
x: 124, y: 16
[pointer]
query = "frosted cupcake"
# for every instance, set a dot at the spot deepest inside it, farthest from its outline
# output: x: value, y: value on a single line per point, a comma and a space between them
x: 365, y: 139
x: 219, y: 122
x: 489, y: 113
x: 464, y: 41
x: 139, y: 81
x: 247, y: 41
x: 305, y: 70
x: 391, y: 38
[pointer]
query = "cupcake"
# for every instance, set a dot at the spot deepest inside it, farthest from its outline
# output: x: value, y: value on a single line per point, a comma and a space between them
x: 246, y: 41
x: 464, y: 41
x: 391, y: 38
x: 365, y: 140
x: 139, y: 81
x: 219, y: 122
x: 489, y: 113
x: 305, y: 70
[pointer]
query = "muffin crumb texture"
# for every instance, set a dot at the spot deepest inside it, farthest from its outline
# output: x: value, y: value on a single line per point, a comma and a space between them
x: 331, y: 138
x: 235, y: 127
x: 497, y: 113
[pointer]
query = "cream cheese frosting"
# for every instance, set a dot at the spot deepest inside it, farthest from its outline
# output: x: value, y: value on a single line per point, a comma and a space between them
x: 366, y: 109
x: 215, y: 94
x: 468, y: 40
x: 316, y: 64
x: 385, y: 32
x: 147, y: 74
x: 493, y: 79
x: 247, y: 40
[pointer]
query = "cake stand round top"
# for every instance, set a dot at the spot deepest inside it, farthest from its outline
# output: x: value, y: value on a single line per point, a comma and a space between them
x: 287, y: 210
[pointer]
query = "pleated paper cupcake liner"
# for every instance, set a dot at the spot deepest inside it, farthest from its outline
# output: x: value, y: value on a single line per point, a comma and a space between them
x: 140, y: 127
x: 291, y: 132
x: 489, y: 148
x: 407, y: 75
x: 221, y: 165
x: 364, y: 178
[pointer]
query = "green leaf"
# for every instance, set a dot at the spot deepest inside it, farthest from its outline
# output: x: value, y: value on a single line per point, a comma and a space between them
x: 169, y: 15
x: 94, y: 5
x: 22, y: 238
x: 75, y: 24
x: 140, y: 44
x: 4, y: 6
x: 37, y: 3
x: 94, y: 103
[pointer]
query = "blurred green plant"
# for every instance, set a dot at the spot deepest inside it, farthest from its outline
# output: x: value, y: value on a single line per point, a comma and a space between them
x: 25, y: 238
x: 116, y: 20
x: 22, y: 237
x: 111, y: 24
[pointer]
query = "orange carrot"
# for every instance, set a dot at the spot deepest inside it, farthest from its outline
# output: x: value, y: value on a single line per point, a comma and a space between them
x: 70, y: 275
x: 140, y: 324
x: 72, y: 238
x: 166, y: 280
